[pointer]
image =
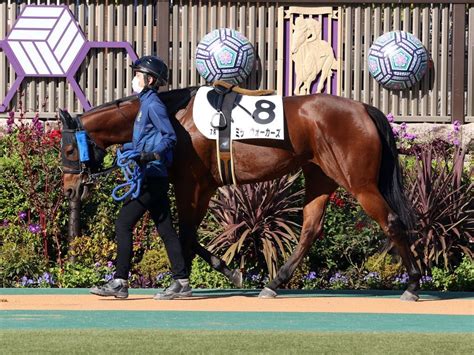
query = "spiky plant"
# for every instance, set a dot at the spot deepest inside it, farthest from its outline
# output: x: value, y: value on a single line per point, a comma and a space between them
x: 260, y: 223
x: 442, y: 198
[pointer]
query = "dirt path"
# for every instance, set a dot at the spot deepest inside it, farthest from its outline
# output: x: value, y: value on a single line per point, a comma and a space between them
x: 239, y: 303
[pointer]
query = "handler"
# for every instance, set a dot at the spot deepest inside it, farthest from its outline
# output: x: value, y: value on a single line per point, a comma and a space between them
x: 155, y: 138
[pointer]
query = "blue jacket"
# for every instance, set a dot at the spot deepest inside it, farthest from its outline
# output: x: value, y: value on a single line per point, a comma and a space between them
x: 153, y: 133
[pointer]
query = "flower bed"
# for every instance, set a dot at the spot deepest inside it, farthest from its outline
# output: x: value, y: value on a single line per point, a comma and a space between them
x: 352, y: 253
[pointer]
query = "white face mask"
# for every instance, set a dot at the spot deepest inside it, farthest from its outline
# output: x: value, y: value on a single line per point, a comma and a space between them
x: 136, y: 85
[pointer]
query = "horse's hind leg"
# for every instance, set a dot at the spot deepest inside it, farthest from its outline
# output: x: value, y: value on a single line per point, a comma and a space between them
x: 318, y: 189
x: 192, y: 201
x: 376, y: 207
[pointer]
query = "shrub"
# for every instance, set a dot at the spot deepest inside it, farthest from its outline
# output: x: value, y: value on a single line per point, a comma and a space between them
x: 19, y: 260
x: 153, y: 267
x: 203, y: 276
x: 462, y: 279
x: 21, y: 251
x: 259, y: 222
x: 442, y: 200
x: 32, y: 179
x: 312, y: 281
x: 88, y: 250
x: 464, y: 275
x: 77, y: 275
x: 338, y: 281
x: 382, y: 269
x: 442, y: 279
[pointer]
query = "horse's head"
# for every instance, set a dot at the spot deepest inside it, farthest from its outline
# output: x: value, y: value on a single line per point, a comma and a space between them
x: 85, y: 137
x: 305, y: 30
x: 80, y: 157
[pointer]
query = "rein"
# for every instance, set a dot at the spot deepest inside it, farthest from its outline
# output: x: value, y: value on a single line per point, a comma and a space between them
x: 132, y: 173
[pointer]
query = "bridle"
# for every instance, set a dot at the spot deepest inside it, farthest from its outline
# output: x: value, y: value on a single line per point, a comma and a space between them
x: 90, y: 155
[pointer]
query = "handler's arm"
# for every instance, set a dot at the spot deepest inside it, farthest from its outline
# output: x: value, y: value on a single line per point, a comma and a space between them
x: 161, y: 121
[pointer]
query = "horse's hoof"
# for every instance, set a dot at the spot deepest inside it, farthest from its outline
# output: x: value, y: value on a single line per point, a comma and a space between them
x: 409, y: 296
x: 267, y: 293
x: 237, y: 278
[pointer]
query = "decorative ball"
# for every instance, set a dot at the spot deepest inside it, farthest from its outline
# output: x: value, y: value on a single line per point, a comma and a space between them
x: 397, y: 60
x: 225, y: 54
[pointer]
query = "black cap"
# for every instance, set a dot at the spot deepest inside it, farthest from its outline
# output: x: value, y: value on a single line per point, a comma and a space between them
x: 153, y: 66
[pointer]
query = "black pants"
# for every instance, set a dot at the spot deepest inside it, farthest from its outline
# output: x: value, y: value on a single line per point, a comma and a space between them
x: 153, y: 198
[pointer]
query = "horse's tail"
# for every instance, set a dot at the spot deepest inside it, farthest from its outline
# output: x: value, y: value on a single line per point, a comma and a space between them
x: 390, y: 177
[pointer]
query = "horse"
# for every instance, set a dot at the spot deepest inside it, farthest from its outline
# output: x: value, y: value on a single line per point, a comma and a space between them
x: 335, y: 141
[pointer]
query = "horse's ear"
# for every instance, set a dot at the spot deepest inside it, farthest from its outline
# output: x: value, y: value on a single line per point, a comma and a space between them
x: 66, y: 119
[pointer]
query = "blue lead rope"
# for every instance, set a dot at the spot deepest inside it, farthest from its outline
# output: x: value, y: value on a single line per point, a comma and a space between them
x: 131, y: 172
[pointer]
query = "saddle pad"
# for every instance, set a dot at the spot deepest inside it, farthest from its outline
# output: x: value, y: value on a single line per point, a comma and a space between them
x: 253, y: 117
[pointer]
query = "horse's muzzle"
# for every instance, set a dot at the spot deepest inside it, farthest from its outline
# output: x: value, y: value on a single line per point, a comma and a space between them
x: 80, y: 191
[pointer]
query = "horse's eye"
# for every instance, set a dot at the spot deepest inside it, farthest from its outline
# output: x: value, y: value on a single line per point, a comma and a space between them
x: 69, y: 150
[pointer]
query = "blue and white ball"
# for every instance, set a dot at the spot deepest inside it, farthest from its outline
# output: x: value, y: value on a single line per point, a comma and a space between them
x: 397, y: 60
x: 225, y: 54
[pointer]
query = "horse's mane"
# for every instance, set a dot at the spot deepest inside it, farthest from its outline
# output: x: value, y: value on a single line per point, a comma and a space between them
x: 178, y: 99
x: 111, y: 104
x: 174, y: 100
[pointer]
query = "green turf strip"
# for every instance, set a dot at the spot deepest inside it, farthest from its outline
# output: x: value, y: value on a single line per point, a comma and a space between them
x: 199, y: 320
x: 99, y: 341
x: 248, y: 292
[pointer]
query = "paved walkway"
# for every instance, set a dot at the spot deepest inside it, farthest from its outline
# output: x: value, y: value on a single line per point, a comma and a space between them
x: 367, y: 311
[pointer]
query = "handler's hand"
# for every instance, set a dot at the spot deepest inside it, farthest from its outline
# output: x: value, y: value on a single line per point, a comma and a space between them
x: 144, y: 158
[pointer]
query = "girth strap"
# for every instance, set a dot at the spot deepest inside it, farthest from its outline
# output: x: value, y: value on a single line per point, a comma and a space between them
x: 224, y: 140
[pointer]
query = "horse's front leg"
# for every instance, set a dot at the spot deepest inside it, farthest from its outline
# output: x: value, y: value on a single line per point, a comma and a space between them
x: 192, y: 201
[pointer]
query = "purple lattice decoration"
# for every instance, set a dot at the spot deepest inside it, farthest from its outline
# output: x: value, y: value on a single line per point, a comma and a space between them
x: 47, y: 41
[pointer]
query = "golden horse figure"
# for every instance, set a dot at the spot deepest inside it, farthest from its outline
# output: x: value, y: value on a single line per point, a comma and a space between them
x: 334, y: 140
x: 311, y: 56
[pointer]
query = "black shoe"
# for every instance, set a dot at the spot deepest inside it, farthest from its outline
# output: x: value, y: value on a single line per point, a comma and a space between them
x: 117, y: 288
x: 178, y: 289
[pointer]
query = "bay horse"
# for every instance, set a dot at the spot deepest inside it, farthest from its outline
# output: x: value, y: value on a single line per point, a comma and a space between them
x: 335, y: 141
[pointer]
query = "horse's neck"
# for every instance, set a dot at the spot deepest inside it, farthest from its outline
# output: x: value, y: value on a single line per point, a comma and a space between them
x: 112, y: 126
